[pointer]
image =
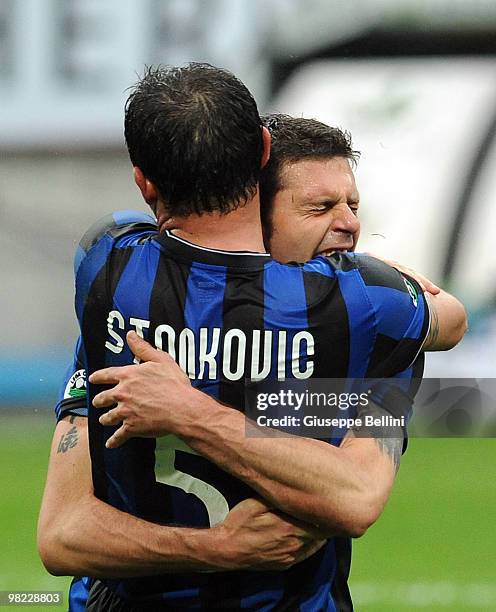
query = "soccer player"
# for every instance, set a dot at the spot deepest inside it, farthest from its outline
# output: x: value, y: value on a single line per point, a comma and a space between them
x: 124, y: 244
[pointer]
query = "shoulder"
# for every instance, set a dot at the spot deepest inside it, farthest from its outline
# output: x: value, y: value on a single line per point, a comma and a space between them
x: 365, y: 269
x: 372, y: 270
x: 386, y: 283
x: 396, y: 300
x: 376, y: 273
x: 111, y: 230
x: 115, y: 225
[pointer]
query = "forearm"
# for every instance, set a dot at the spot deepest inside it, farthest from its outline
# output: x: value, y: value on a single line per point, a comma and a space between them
x: 79, y: 534
x: 341, y: 490
x: 101, y: 541
x: 309, y: 479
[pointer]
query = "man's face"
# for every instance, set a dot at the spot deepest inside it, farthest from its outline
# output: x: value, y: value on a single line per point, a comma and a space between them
x: 315, y: 212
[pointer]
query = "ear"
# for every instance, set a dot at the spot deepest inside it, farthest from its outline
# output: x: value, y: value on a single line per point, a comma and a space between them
x: 266, y: 138
x: 147, y: 188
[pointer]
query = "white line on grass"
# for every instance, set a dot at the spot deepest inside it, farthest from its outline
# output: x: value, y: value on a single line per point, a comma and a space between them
x: 426, y: 594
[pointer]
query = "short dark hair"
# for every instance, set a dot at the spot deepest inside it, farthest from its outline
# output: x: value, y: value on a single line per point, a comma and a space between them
x: 196, y: 133
x: 295, y: 139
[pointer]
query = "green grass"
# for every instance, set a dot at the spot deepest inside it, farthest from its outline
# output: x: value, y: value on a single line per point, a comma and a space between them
x: 24, y: 448
x: 433, y: 548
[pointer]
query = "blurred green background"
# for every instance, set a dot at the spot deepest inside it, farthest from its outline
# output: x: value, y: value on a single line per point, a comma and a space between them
x: 433, y: 548
x: 24, y: 449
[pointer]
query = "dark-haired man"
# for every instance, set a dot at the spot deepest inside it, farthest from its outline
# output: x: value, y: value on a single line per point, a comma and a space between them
x: 213, y: 284
x: 310, y: 198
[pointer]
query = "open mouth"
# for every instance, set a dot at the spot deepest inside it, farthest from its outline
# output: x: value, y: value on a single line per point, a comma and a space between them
x: 328, y: 252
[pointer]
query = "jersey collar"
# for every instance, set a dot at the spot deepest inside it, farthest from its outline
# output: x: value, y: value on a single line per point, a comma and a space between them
x: 194, y: 253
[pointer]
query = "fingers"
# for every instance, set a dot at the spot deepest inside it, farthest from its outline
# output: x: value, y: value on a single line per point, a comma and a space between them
x: 121, y: 435
x: 108, y: 376
x: 105, y: 399
x: 146, y: 352
x: 256, y: 504
x: 250, y: 508
x: 425, y: 284
x: 417, y: 278
x: 143, y: 350
x: 428, y: 285
x: 112, y: 417
x: 311, y: 548
x: 118, y: 437
x: 423, y: 281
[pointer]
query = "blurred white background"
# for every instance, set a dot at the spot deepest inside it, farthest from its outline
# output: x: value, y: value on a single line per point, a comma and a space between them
x: 414, y: 82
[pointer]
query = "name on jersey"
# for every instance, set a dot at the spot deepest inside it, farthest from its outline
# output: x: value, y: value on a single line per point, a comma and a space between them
x: 213, y: 352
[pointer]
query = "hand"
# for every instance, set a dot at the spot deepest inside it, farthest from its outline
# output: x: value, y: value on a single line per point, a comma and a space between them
x: 423, y: 281
x: 254, y: 536
x: 139, y: 393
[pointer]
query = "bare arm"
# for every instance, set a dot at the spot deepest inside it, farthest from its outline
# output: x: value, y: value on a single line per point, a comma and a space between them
x: 79, y: 534
x: 341, y: 490
x: 448, y: 322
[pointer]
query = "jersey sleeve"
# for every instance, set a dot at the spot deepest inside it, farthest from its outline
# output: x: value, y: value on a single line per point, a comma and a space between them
x: 402, y: 322
x: 103, y: 234
x: 96, y: 245
x: 91, y: 255
x: 72, y: 394
x: 401, y: 317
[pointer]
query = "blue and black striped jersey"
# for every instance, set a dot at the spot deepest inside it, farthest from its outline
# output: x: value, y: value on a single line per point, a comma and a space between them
x: 227, y: 316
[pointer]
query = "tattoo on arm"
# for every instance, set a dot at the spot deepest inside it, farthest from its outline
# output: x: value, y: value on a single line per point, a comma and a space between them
x: 433, y: 334
x: 391, y: 447
x: 389, y: 439
x: 69, y: 439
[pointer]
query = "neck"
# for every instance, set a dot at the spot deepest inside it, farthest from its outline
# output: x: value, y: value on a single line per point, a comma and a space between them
x: 239, y: 230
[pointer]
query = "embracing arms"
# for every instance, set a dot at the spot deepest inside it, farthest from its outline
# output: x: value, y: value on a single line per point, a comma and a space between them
x: 79, y: 534
x: 341, y: 490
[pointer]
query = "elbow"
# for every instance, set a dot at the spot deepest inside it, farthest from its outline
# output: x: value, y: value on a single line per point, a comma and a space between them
x: 355, y: 517
x: 448, y: 322
x: 459, y: 329
x: 359, y: 527
x: 50, y: 554
x: 462, y: 327
x: 54, y: 549
x: 52, y: 566
x: 354, y: 525
x: 357, y: 523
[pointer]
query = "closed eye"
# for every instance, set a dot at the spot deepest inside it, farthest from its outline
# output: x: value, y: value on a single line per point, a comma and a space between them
x: 322, y: 206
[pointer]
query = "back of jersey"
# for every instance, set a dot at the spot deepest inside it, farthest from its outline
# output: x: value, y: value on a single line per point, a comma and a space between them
x: 226, y: 317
